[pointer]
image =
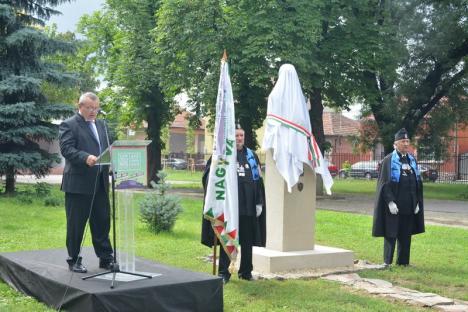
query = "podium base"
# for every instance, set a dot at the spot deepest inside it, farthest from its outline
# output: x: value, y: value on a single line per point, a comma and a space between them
x: 115, y: 269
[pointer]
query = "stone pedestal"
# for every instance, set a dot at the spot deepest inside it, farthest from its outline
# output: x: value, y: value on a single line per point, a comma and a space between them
x: 291, y: 226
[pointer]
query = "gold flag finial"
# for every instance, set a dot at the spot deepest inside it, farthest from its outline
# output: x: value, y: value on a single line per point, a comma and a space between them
x: 224, y: 58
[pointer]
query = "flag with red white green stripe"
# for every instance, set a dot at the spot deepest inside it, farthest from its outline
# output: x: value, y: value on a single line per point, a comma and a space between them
x: 314, y: 154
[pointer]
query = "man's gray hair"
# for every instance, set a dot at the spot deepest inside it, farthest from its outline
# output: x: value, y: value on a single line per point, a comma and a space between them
x: 89, y: 95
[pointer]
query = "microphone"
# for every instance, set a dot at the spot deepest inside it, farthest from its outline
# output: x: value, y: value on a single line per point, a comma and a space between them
x: 102, y: 112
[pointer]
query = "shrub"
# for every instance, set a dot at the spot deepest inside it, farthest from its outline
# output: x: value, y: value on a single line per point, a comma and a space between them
x: 158, y: 209
x: 42, y: 189
x: 346, y: 166
x: 52, y: 201
x: 25, y: 196
x: 24, y: 199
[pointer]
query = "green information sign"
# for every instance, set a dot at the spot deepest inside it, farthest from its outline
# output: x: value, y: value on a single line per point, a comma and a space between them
x: 129, y: 163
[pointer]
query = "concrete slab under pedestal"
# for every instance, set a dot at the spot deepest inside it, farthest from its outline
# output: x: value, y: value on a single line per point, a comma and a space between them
x: 272, y: 261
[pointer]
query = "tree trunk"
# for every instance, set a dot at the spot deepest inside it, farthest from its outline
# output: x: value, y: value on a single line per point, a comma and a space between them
x: 316, y: 120
x: 250, y: 135
x: 154, y: 149
x: 388, y: 146
x: 316, y: 116
x: 10, y: 181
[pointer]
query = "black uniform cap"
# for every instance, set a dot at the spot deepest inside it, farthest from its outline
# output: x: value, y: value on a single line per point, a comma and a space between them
x: 401, y: 134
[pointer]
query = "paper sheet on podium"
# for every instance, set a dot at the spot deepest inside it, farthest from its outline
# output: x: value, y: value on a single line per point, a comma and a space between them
x: 104, y: 158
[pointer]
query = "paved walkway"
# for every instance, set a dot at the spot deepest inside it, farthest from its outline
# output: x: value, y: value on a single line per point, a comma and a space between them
x: 436, y: 211
x: 388, y: 290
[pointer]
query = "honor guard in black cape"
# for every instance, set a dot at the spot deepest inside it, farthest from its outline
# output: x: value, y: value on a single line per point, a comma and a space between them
x: 252, y: 217
x: 399, y: 206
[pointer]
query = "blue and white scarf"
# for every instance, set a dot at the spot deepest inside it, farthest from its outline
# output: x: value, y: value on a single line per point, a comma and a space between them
x: 396, y: 166
x: 253, y: 164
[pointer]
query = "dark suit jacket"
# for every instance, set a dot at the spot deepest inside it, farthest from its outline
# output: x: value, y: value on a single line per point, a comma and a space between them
x: 77, y: 142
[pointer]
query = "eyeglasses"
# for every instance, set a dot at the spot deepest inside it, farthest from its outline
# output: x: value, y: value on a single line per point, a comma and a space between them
x: 92, y: 109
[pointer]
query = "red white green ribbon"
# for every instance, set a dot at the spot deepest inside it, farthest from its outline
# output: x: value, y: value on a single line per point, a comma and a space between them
x: 313, y: 152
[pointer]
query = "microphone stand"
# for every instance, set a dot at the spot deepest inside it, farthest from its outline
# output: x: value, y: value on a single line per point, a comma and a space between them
x: 115, y: 268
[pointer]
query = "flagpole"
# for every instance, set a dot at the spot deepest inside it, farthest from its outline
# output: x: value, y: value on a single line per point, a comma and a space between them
x: 215, y: 244
x: 224, y: 58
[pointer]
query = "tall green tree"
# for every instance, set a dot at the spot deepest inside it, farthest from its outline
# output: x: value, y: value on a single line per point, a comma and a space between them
x: 259, y: 36
x: 189, y: 45
x: 327, y: 41
x: 267, y: 34
x: 25, y: 113
x: 79, y: 63
x: 421, y: 64
x: 122, y: 39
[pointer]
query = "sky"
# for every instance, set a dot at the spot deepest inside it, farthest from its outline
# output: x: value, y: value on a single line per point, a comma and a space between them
x: 71, y: 13
x: 354, y: 113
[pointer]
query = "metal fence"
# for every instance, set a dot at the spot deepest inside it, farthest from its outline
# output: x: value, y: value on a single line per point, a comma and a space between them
x: 184, y: 161
x: 452, y: 169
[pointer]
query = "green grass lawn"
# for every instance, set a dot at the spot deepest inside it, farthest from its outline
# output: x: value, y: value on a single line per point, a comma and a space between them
x: 439, y: 257
x: 184, y: 175
x: 439, y: 260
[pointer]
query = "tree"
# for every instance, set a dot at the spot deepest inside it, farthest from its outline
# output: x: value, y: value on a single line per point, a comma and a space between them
x: 121, y: 37
x: 189, y: 45
x: 429, y: 46
x: 267, y: 34
x: 433, y: 133
x: 25, y: 113
x: 259, y: 36
x: 190, y: 140
x: 79, y: 63
x: 326, y: 41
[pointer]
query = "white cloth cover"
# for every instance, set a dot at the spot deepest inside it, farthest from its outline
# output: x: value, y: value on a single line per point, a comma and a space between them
x: 288, y: 131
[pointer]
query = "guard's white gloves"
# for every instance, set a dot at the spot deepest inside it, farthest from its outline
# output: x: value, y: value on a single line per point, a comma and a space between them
x: 416, y: 210
x: 259, y: 210
x: 393, y: 208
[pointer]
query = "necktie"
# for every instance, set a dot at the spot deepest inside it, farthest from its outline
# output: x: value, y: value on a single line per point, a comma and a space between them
x: 93, y: 128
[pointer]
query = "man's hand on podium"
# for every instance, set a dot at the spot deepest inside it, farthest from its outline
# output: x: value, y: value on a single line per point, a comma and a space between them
x: 91, y: 160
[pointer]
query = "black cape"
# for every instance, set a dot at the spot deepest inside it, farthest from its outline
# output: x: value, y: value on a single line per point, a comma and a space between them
x: 207, y: 234
x: 385, y: 224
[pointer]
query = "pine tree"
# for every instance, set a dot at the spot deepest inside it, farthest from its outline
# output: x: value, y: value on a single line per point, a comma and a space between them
x: 25, y: 114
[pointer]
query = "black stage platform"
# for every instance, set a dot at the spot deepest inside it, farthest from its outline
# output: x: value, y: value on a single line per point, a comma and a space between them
x: 44, y: 275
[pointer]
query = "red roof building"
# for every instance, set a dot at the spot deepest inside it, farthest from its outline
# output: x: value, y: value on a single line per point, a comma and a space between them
x: 338, y: 131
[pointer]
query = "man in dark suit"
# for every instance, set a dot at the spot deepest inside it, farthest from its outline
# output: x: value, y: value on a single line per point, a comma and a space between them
x: 85, y: 182
x: 399, y: 206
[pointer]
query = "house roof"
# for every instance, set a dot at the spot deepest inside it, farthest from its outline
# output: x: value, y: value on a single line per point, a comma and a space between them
x: 181, y: 121
x: 338, y: 125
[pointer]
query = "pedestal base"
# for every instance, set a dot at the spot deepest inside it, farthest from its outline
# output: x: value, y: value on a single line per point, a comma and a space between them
x: 271, y: 261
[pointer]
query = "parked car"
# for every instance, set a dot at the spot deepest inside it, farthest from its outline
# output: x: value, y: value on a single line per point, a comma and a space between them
x: 362, y: 169
x: 428, y: 173
x: 200, y: 165
x: 175, y: 163
x: 333, y: 170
